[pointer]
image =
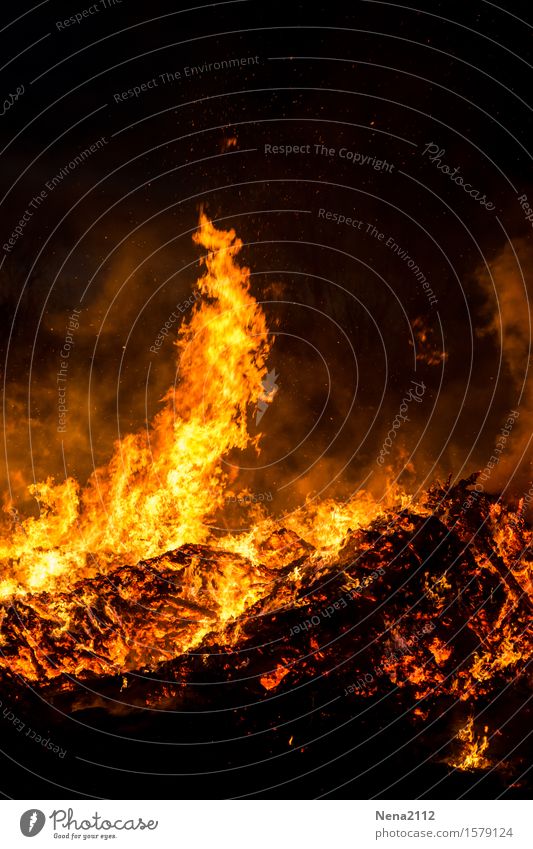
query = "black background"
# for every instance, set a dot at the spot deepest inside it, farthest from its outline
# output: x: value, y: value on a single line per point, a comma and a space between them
x: 114, y: 239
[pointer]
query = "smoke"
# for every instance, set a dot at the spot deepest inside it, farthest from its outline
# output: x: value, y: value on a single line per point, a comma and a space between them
x: 80, y: 373
x: 508, y: 315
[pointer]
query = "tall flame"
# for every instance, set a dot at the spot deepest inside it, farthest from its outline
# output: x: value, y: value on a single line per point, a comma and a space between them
x: 473, y: 748
x: 161, y: 485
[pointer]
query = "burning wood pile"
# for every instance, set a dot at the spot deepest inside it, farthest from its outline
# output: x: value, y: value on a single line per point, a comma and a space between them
x: 121, y: 592
x: 423, y: 606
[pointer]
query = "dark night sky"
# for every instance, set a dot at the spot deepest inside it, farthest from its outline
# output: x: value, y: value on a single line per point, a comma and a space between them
x: 366, y: 78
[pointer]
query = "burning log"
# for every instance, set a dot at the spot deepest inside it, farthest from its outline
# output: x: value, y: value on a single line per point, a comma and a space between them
x: 412, y: 616
x: 413, y: 602
x: 133, y: 617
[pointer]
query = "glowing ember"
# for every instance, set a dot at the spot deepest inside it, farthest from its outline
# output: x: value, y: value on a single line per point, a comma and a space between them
x: 272, y: 679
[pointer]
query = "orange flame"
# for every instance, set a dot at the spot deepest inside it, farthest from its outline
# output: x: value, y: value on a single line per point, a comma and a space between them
x: 473, y: 748
x: 161, y: 486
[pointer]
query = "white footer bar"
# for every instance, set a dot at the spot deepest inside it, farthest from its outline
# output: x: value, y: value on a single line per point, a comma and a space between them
x: 268, y: 824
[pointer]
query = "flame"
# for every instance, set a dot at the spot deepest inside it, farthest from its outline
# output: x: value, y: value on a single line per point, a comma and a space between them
x: 161, y: 490
x: 129, y: 571
x: 160, y: 486
x: 473, y: 748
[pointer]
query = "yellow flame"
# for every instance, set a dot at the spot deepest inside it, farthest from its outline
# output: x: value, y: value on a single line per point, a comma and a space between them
x: 161, y: 485
x: 473, y: 748
x: 160, y: 490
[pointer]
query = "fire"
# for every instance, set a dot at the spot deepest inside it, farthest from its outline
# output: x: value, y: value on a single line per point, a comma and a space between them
x: 163, y: 486
x: 129, y: 573
x: 473, y: 748
x: 160, y: 486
